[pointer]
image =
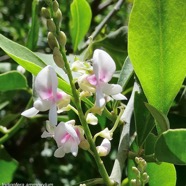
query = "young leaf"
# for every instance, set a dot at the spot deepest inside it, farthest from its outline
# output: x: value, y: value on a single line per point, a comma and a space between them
x: 81, y: 16
x: 12, y: 81
x: 161, y: 175
x: 170, y: 147
x: 126, y: 73
x: 162, y: 120
x: 143, y: 120
x: 157, y: 48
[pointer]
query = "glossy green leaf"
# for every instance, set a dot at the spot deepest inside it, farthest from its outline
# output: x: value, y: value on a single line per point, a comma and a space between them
x: 26, y: 58
x: 12, y: 81
x: 115, y: 43
x: 21, y: 55
x: 126, y: 73
x: 161, y: 119
x: 170, y: 147
x: 157, y: 48
x: 163, y: 174
x: 144, y: 122
x: 81, y: 16
x: 7, y: 166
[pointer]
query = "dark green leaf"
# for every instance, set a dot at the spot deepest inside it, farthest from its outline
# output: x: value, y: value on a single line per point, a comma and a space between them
x: 157, y: 48
x: 81, y: 16
x: 170, y: 147
x: 150, y: 144
x: 143, y: 120
x: 12, y: 81
x: 162, y: 120
x: 126, y: 73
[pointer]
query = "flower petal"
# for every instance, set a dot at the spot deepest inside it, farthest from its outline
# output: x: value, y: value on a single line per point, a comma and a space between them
x: 59, y: 153
x: 74, y: 149
x: 53, y: 114
x: 30, y: 112
x: 46, y: 135
x: 46, y: 83
x: 119, y: 97
x: 103, y: 65
x: 111, y: 89
x: 100, y: 100
x: 104, y: 148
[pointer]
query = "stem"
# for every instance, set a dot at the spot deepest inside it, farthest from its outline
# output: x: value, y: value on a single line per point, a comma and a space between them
x: 16, y: 127
x: 117, y: 121
x: 122, y: 154
x: 88, y: 134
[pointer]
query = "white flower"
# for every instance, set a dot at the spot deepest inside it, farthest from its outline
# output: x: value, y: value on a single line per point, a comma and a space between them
x: 104, y: 68
x: 104, y: 148
x: 48, y: 98
x: 67, y: 137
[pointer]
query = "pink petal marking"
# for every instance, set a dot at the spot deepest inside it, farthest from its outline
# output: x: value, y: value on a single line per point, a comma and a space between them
x: 92, y: 80
x: 65, y: 138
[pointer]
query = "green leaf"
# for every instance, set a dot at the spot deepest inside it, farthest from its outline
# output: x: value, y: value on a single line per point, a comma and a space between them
x: 12, y: 81
x: 161, y: 175
x: 150, y: 144
x: 34, y: 30
x: 21, y: 55
x: 143, y: 120
x: 162, y: 120
x: 27, y: 59
x: 81, y: 16
x: 126, y: 73
x: 115, y: 43
x: 170, y: 147
x: 157, y: 48
x: 7, y: 166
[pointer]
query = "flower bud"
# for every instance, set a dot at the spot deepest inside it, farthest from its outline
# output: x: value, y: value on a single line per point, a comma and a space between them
x: 145, y: 177
x: 85, y: 94
x: 58, y: 58
x: 84, y: 145
x: 133, y: 182
x: 45, y: 13
x: 52, y: 41
x: 62, y: 38
x: 51, y: 25
x: 104, y: 148
x: 21, y: 69
x: 136, y: 171
x: 48, y: 2
x: 55, y: 6
x: 106, y: 134
x: 91, y: 119
x: 58, y: 18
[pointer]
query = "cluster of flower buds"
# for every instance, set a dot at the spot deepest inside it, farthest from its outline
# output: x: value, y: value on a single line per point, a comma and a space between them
x: 56, y: 38
x: 140, y: 171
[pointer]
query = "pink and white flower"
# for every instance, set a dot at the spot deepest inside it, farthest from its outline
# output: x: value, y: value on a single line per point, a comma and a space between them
x: 103, y: 69
x: 48, y: 97
x: 67, y: 136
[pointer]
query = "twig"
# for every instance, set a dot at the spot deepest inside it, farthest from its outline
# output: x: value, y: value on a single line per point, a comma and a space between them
x: 105, y: 20
x: 122, y: 155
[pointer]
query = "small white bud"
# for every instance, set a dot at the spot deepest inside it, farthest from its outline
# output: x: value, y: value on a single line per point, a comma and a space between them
x: 21, y: 69
x: 106, y: 134
x: 104, y: 148
x: 91, y: 119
